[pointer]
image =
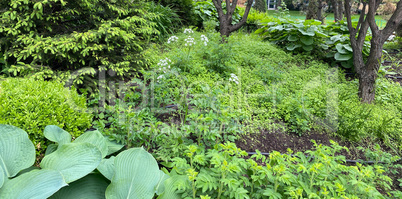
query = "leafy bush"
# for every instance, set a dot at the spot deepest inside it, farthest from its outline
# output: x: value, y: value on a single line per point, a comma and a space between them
x: 310, y: 36
x: 133, y: 173
x: 219, y: 173
x: 32, y: 104
x: 73, y: 41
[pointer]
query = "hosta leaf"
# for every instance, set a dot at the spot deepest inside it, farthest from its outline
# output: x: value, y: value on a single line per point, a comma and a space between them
x: 308, y: 48
x: 106, y: 168
x: 136, y: 175
x: 339, y: 48
x: 92, y: 186
x: 348, y: 47
x: 57, y: 134
x: 95, y: 138
x: 16, y: 150
x: 51, y: 148
x: 2, y: 176
x: 73, y: 160
x: 292, y: 46
x: 160, y: 187
x: 307, y: 40
x: 113, y: 146
x: 347, y: 64
x: 308, y: 33
x: 293, y: 38
x: 343, y: 57
x: 171, y: 187
x: 36, y: 184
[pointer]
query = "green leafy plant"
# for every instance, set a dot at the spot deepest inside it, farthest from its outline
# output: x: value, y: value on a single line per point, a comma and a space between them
x: 32, y: 104
x: 219, y: 173
x: 133, y: 173
x: 72, y: 41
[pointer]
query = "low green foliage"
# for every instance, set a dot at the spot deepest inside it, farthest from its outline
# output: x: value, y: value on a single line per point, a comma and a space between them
x: 32, y: 104
x: 219, y: 173
x: 330, y: 41
x: 133, y: 173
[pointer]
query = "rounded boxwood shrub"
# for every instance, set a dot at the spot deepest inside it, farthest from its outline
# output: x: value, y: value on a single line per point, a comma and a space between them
x: 33, y: 104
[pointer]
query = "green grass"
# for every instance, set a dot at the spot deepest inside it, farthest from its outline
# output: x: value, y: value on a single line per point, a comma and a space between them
x: 330, y: 17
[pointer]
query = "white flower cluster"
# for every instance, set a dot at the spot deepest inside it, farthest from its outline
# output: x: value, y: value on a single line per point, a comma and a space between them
x: 204, y: 39
x: 164, y: 64
x: 189, y: 41
x: 159, y: 77
x: 172, y: 39
x: 188, y: 31
x: 233, y: 78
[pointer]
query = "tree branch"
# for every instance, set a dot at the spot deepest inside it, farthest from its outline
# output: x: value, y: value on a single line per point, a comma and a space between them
x: 218, y: 5
x: 244, y: 18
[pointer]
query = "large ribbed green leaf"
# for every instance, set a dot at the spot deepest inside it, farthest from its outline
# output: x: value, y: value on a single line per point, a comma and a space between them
x: 57, y: 134
x: 73, y: 160
x: 36, y: 184
x: 170, y: 188
x: 92, y: 186
x: 106, y: 167
x: 2, y: 176
x: 95, y: 138
x: 113, y: 146
x: 136, y: 175
x: 16, y: 150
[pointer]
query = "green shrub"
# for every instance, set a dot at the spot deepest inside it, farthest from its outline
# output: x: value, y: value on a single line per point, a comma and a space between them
x: 330, y: 43
x: 73, y: 41
x: 32, y: 104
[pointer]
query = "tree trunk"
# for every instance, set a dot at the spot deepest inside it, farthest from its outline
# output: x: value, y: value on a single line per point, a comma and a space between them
x: 337, y: 6
x: 339, y: 10
x: 225, y: 19
x: 367, y: 86
x: 367, y: 72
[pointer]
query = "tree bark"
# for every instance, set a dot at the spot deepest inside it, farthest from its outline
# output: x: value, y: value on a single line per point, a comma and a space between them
x: 225, y: 20
x: 367, y: 71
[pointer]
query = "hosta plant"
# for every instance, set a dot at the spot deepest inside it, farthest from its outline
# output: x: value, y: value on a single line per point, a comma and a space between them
x: 133, y: 173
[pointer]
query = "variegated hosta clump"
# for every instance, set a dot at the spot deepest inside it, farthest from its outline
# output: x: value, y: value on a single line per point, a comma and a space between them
x: 67, y: 169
